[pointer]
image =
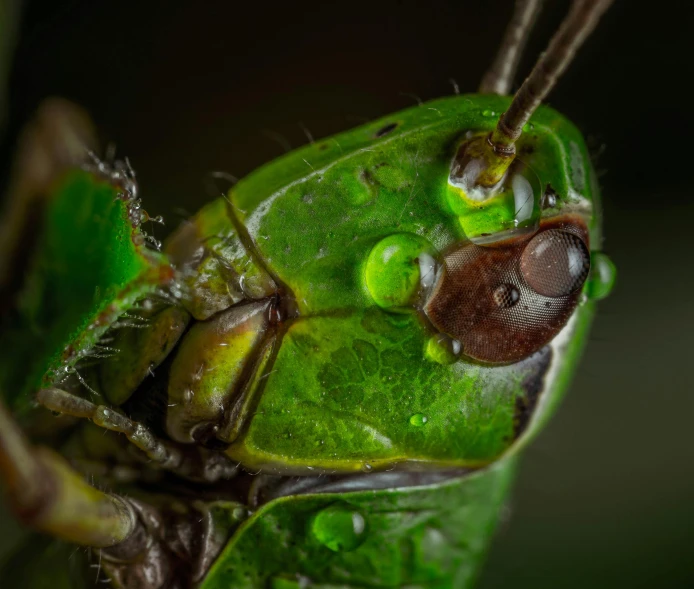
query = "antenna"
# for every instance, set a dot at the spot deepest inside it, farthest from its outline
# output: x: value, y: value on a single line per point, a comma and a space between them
x: 500, y: 145
x: 499, y: 76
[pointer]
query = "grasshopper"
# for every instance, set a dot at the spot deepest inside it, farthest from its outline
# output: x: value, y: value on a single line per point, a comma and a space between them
x: 326, y: 376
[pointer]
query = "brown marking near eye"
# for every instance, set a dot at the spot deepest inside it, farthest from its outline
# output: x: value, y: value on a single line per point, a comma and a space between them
x: 485, y: 301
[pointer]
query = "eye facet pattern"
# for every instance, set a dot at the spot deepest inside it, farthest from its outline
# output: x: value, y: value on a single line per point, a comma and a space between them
x: 555, y: 263
x: 505, y: 303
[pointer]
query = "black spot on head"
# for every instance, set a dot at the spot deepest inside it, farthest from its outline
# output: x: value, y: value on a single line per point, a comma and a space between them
x: 323, y: 146
x: 387, y: 129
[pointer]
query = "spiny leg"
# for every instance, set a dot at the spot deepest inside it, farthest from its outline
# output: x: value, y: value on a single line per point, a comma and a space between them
x: 499, y: 77
x: 196, y: 464
x: 137, y: 544
x: 49, y: 496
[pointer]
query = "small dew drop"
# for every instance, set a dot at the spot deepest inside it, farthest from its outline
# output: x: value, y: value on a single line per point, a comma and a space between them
x: 488, y: 113
x: 603, y: 275
x: 443, y: 349
x: 418, y: 419
x: 339, y: 527
x: 366, y: 467
x: 239, y: 513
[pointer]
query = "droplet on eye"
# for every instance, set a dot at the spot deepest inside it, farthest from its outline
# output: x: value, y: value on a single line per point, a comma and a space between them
x: 506, y: 295
x: 555, y: 263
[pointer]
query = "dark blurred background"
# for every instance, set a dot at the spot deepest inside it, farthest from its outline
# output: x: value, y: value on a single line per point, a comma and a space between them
x: 183, y: 88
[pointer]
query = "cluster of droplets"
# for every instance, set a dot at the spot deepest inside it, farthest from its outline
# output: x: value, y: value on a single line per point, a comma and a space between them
x: 121, y: 174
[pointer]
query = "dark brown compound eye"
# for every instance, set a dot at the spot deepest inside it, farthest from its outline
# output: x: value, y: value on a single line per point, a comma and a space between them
x: 555, y: 263
x: 505, y: 303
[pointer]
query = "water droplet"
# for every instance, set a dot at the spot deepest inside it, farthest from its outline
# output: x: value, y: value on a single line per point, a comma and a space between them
x: 418, y: 419
x: 393, y: 272
x: 528, y: 127
x: 339, y: 527
x: 366, y: 467
x: 488, y: 113
x: 603, y: 274
x: 239, y: 513
x: 523, y: 199
x: 443, y: 349
x: 489, y: 214
x: 506, y: 296
x: 549, y: 199
x: 427, y: 271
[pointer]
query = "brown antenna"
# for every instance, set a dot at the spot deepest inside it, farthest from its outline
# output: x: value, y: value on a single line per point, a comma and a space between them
x: 499, y: 76
x: 578, y: 24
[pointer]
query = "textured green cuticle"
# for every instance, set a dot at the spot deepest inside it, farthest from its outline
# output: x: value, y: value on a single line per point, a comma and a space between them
x: 392, y: 271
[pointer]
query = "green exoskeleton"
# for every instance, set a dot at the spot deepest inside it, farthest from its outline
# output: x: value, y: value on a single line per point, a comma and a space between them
x: 326, y: 376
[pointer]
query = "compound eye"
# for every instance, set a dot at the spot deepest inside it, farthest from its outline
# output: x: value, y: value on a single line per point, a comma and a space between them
x: 504, y: 303
x: 555, y: 263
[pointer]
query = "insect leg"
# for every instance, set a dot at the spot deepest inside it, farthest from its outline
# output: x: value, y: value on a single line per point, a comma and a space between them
x: 197, y: 464
x: 49, y: 496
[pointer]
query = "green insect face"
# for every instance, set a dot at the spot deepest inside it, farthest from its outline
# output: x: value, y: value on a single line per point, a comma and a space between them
x: 405, y: 319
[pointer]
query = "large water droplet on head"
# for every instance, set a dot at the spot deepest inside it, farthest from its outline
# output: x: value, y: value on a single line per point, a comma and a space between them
x: 399, y: 269
x: 339, y: 527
